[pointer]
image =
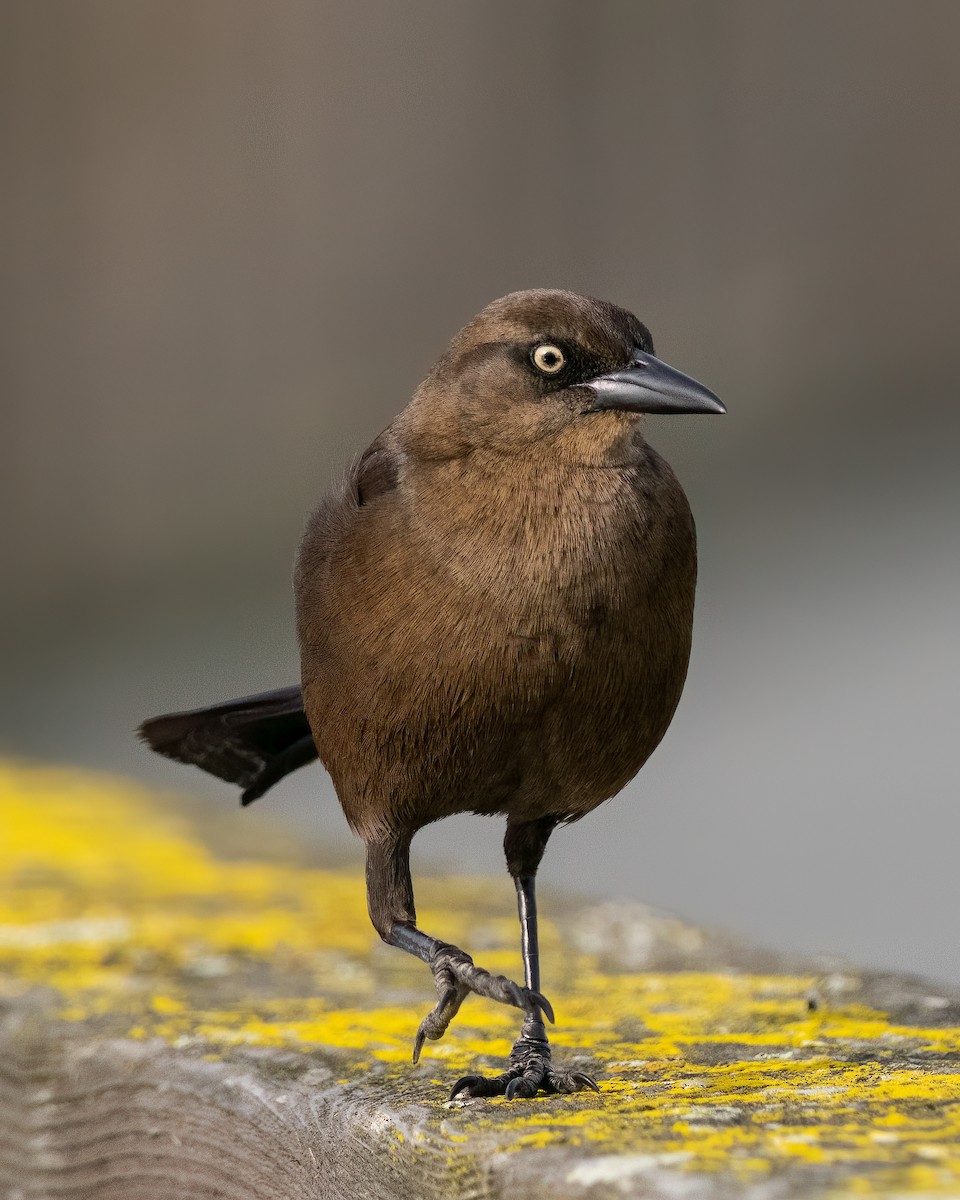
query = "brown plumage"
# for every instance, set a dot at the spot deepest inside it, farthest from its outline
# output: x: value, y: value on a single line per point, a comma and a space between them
x: 494, y: 613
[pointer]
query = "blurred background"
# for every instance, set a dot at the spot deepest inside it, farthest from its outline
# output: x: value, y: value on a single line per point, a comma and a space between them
x: 235, y: 234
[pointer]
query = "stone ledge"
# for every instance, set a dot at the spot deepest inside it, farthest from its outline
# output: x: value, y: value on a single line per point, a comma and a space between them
x: 174, y: 1023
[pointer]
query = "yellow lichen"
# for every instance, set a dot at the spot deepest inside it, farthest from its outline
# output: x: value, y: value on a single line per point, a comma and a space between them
x: 114, y: 901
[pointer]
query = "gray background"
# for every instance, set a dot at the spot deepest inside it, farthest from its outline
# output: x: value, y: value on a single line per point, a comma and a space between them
x: 235, y: 235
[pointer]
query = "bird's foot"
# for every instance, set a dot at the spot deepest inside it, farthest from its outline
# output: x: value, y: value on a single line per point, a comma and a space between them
x: 529, y: 1072
x: 455, y: 976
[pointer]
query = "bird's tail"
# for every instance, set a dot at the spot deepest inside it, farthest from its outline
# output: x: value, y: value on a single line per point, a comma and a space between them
x: 252, y: 742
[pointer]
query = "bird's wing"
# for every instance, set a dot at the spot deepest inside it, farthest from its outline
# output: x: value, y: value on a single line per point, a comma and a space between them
x: 374, y: 475
x: 377, y: 471
x: 331, y: 539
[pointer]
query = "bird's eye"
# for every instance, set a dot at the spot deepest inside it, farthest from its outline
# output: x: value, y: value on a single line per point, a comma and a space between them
x: 548, y: 358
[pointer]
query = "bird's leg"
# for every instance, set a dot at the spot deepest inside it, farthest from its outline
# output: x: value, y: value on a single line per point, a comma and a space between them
x: 530, y: 1070
x: 390, y: 902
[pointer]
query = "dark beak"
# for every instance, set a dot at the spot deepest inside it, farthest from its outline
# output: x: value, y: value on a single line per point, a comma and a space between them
x: 648, y: 385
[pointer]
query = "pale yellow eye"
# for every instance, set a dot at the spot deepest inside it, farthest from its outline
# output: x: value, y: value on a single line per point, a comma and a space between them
x: 549, y: 359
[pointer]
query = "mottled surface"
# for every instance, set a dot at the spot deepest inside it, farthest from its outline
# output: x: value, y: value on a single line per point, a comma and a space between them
x: 173, y: 1023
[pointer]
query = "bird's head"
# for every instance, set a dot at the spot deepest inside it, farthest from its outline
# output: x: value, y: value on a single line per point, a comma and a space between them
x: 545, y: 366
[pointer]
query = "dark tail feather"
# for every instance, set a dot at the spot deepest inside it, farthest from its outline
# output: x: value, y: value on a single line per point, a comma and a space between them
x: 252, y: 742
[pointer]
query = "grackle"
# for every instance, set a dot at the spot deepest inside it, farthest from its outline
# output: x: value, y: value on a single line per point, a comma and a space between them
x: 494, y: 611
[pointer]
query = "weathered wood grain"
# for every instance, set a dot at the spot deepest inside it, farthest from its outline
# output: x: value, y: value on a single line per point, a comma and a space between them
x: 178, y: 1024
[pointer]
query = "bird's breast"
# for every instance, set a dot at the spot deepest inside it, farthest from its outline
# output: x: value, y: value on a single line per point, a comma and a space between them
x: 542, y: 546
x: 500, y: 631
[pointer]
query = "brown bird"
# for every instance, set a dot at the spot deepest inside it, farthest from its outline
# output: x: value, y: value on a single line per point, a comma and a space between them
x: 494, y: 611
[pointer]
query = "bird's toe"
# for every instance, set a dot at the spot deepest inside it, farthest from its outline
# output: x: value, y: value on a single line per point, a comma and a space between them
x: 526, y: 1078
x: 522, y: 1087
x: 435, y: 1024
x: 473, y: 1087
x: 494, y: 987
x: 571, y: 1081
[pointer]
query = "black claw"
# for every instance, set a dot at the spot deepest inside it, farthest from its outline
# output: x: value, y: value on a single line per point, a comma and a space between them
x: 545, y: 1006
x: 520, y: 1086
x: 466, y: 1082
x: 418, y: 1044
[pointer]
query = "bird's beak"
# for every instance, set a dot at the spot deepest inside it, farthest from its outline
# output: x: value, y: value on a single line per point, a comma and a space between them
x: 648, y: 385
